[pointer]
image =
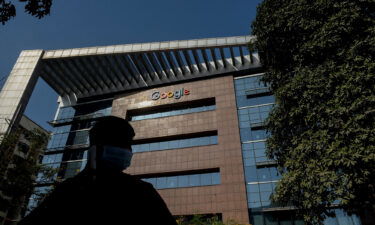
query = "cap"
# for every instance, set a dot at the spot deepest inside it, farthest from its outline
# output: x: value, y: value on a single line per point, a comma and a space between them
x: 111, y: 130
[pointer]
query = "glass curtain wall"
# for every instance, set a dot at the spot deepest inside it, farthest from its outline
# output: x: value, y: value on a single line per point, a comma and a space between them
x: 254, y: 102
x: 67, y: 148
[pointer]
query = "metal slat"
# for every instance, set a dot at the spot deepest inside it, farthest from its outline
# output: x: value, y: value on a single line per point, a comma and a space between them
x: 212, y: 50
x: 123, y: 72
x: 137, y: 61
x: 223, y: 57
x: 77, y: 75
x: 100, y: 67
x: 232, y: 56
x: 130, y: 67
x: 155, y: 64
x: 172, y: 63
x: 54, y: 84
x: 180, y: 62
x: 80, y: 66
x: 205, y: 58
x: 163, y: 63
x: 196, y: 58
x: 128, y: 74
x: 63, y: 74
x: 150, y: 69
x: 92, y: 72
x: 188, y: 61
x: 112, y: 70
x: 242, y: 57
x: 135, y: 70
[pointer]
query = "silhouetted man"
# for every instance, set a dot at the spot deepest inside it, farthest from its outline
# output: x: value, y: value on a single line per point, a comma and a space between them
x: 102, y: 193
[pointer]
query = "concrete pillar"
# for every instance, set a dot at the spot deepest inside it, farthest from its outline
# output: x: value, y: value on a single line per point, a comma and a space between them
x: 18, y: 88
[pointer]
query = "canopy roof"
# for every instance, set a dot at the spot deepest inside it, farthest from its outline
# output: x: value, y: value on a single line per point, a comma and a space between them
x: 85, y: 72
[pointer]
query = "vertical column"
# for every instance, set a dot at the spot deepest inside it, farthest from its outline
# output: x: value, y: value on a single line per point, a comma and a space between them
x: 18, y: 88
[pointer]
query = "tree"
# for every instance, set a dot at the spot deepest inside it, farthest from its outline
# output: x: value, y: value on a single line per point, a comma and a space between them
x: 17, y: 174
x: 319, y: 58
x: 37, y: 8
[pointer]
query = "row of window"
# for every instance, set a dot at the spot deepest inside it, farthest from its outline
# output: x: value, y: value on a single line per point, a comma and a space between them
x: 191, y: 180
x: 60, y: 140
x: 255, y: 96
x: 254, y: 153
x: 243, y: 101
x: 68, y: 113
x: 254, y: 174
x: 247, y: 90
x: 174, y: 144
x: 248, y: 117
x: 173, y: 112
x: 258, y: 194
x: 248, y: 134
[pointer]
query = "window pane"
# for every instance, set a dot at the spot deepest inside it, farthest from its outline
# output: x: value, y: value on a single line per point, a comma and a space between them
x: 183, y: 181
x: 171, y: 182
x: 206, y: 179
x: 161, y: 182
x: 216, y: 178
x: 194, y: 180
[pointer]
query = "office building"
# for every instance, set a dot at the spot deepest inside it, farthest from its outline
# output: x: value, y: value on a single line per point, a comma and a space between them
x: 198, y: 109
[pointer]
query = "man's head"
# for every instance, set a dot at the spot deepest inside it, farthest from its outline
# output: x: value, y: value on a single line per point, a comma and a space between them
x: 110, y: 144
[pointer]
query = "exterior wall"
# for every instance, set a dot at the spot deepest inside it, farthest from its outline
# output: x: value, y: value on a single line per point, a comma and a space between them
x: 228, y: 198
x: 17, y: 90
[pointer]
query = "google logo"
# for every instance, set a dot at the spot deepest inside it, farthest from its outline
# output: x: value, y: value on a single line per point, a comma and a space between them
x: 171, y: 94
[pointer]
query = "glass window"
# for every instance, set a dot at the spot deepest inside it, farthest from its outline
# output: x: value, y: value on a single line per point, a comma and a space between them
x: 161, y: 182
x: 171, y: 182
x: 274, y: 173
x: 253, y: 197
x: 216, y: 178
x: 264, y: 174
x: 265, y: 187
x: 255, y: 205
x: 249, y: 161
x: 252, y: 188
x: 258, y: 135
x: 154, y: 146
x: 173, y: 112
x: 173, y: 144
x: 206, y: 179
x: 194, y: 180
x: 265, y: 195
x: 251, y: 174
x: 163, y: 145
x: 183, y: 181
x: 213, y: 140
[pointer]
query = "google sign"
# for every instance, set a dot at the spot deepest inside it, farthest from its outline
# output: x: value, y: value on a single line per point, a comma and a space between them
x: 171, y: 94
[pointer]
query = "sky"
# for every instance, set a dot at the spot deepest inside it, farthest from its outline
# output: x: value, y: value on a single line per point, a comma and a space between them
x: 86, y: 23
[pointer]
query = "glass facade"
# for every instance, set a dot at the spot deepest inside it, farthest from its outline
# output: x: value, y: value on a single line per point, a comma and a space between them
x: 174, y: 144
x: 173, y: 113
x: 254, y: 102
x: 67, y: 148
x: 180, y: 181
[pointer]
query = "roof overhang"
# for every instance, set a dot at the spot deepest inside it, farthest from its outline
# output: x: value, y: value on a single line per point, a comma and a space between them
x: 87, y: 72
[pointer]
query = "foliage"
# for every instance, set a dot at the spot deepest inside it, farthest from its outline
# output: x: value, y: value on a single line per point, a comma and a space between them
x: 198, y: 219
x: 18, y: 173
x: 320, y: 62
x: 37, y: 8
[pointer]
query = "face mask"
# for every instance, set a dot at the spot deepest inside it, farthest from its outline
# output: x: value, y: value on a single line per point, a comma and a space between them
x: 116, y: 157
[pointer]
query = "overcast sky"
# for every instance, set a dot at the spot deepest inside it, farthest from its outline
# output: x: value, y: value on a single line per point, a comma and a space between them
x: 83, y: 23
